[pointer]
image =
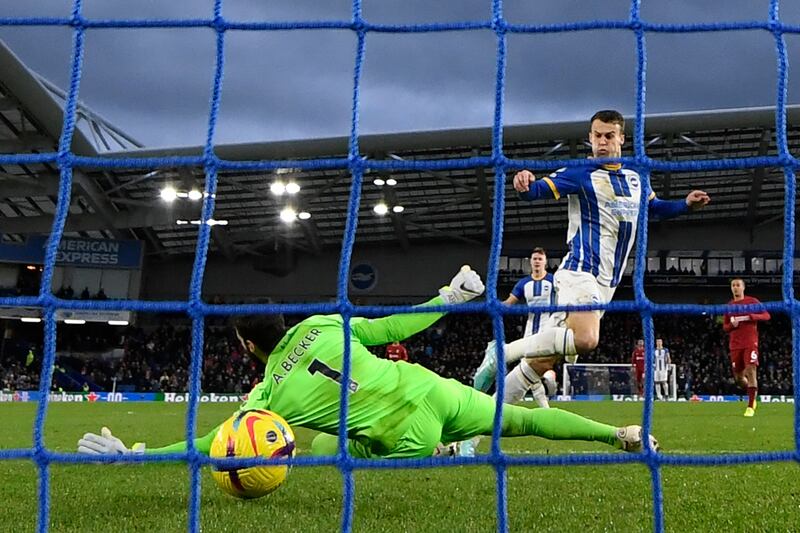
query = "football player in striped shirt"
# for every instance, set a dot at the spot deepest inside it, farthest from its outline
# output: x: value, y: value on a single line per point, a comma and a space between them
x: 603, y: 209
x: 662, y: 361
x: 535, y: 289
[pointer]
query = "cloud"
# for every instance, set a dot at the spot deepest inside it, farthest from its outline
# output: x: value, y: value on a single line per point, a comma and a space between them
x: 155, y: 83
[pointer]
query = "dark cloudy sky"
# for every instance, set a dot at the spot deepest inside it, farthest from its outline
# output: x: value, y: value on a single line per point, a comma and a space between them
x: 155, y: 83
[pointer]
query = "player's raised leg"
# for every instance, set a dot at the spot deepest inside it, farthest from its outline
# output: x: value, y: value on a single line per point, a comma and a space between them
x: 484, y: 375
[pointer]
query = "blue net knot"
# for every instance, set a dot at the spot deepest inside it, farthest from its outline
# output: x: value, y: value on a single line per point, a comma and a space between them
x: 344, y: 307
x: 195, y: 309
x: 64, y: 158
x: 195, y: 458
x: 498, y: 460
x: 219, y: 25
x: 494, y: 306
x: 499, y: 25
x: 41, y: 456
x: 211, y: 162
x: 356, y: 162
x: 500, y: 161
x: 775, y: 26
x: 641, y: 161
x: 358, y: 25
x: 77, y: 21
x: 345, y: 463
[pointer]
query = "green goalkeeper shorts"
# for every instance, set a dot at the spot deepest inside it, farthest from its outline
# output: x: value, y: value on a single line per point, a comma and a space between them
x: 450, y: 412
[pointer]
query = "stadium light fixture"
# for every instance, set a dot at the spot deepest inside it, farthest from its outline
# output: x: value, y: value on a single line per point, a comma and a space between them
x: 31, y: 267
x: 30, y: 319
x: 292, y: 188
x: 288, y: 215
x: 398, y: 209
x: 76, y: 321
x: 391, y: 182
x: 303, y: 215
x: 117, y: 322
x: 210, y: 222
x: 277, y: 188
x: 195, y: 195
x: 379, y: 182
x: 381, y: 208
x: 168, y: 194
x: 181, y: 222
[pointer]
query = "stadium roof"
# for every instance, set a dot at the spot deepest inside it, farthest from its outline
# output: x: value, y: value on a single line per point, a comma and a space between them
x: 453, y: 205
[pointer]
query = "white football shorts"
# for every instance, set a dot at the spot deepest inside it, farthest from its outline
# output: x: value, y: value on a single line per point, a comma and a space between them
x: 580, y: 288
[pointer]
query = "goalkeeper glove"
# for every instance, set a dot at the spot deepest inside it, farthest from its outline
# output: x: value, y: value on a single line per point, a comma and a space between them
x: 465, y: 286
x: 107, y: 444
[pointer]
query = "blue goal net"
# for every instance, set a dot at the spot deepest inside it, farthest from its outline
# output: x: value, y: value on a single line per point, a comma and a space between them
x: 357, y: 164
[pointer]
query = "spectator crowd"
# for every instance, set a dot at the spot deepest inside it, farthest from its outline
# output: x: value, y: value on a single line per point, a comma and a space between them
x: 157, y: 358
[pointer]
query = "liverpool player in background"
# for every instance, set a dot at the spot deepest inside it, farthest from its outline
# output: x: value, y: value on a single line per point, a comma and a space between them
x: 743, y: 343
x: 637, y: 360
x: 396, y: 352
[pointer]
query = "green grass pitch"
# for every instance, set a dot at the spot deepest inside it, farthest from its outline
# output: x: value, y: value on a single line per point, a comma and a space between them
x: 761, y: 497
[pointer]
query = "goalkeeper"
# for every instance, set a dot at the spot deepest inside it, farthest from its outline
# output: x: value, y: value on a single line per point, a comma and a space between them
x: 396, y: 409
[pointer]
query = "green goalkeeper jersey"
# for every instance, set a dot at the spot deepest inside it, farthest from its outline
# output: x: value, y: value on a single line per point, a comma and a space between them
x: 302, y: 380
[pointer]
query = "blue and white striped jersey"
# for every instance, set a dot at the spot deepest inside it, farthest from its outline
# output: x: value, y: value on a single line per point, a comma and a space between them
x: 535, y: 292
x: 603, y: 210
x: 661, y: 359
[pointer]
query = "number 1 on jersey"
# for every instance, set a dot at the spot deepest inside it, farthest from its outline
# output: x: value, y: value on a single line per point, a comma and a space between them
x: 318, y: 366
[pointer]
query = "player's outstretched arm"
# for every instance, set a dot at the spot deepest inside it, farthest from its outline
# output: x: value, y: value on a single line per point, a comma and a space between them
x: 666, y: 209
x: 465, y: 286
x: 107, y: 444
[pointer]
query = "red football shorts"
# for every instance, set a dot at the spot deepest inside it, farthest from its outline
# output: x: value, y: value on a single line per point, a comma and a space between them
x: 743, y: 357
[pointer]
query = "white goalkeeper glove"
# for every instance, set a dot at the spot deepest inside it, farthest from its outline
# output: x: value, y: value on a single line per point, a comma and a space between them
x: 108, y: 444
x: 465, y: 286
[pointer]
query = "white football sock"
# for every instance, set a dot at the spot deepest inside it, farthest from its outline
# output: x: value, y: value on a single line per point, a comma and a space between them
x: 552, y: 341
x: 516, y: 385
x: 537, y: 387
x: 662, y: 390
x: 521, y: 379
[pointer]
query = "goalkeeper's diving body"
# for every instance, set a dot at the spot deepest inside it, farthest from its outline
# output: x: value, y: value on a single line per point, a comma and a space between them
x: 396, y: 409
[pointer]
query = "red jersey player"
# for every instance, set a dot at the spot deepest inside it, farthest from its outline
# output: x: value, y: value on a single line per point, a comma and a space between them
x: 396, y: 352
x: 743, y: 343
x: 637, y: 360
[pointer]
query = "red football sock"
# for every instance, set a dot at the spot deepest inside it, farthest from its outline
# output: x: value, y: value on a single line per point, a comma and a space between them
x: 751, y: 396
